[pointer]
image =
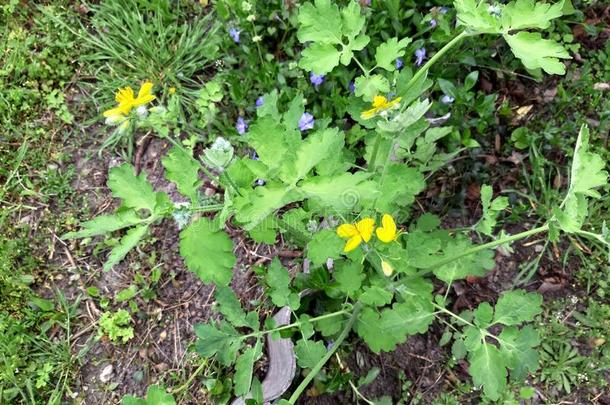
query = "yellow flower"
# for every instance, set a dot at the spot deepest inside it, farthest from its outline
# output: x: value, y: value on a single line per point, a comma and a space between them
x: 356, y: 233
x: 172, y: 90
x: 380, y: 104
x: 127, y: 101
x: 387, y: 232
x: 387, y: 268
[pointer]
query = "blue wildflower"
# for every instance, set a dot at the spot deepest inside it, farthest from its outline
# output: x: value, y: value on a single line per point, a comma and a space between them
x: 352, y: 87
x: 420, y: 55
x: 315, y: 79
x: 234, y: 34
x: 260, y: 182
x: 444, y: 10
x: 260, y: 101
x: 447, y: 99
x: 399, y: 63
x: 306, y: 122
x: 253, y: 155
x: 433, y: 23
x: 241, y: 125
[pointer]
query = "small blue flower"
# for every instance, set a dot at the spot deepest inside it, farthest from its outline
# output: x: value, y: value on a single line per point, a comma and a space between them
x: 253, y: 155
x: 234, y: 34
x: 444, y: 10
x: 352, y: 87
x: 241, y: 125
x: 399, y: 63
x: 306, y: 122
x: 447, y: 99
x: 433, y: 23
x: 315, y: 79
x: 260, y: 182
x: 420, y: 55
x: 260, y: 101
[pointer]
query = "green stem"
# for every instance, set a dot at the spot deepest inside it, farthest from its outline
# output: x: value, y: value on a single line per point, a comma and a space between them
x: 292, y: 325
x: 208, y: 208
x: 366, y: 72
x: 227, y: 176
x: 190, y: 379
x: 316, y: 369
x: 374, y: 153
x: 436, y: 57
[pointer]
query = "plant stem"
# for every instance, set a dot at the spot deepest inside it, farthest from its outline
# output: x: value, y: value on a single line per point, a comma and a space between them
x: 292, y: 325
x: 435, y: 58
x: 374, y: 153
x: 190, y: 379
x: 316, y: 369
x: 208, y: 208
x: 227, y: 176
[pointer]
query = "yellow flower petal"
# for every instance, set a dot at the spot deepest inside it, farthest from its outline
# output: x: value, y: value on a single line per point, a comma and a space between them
x: 365, y: 227
x: 352, y: 243
x: 380, y: 104
x: 379, y: 101
x: 387, y: 268
x: 145, y: 89
x: 387, y: 232
x: 347, y: 231
x: 124, y: 95
x: 368, y: 114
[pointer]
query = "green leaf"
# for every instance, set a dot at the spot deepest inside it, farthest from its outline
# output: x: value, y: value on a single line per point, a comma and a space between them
x: 357, y: 44
x: 183, y: 171
x: 475, y: 15
x: 517, y: 306
x: 488, y: 369
x: 522, y: 14
x: 255, y: 207
x: 490, y: 210
x: 517, y: 347
x: 278, y: 281
x: 352, y: 20
x: 340, y: 194
x: 128, y: 242
x: 538, y: 53
x: 269, y: 107
x: 586, y: 175
x: 265, y: 232
x: 320, y: 58
x: 229, y: 306
x: 376, y: 296
x: 329, y: 326
x: 296, y: 108
x: 309, y: 352
x: 155, y: 395
x: 476, y: 264
x: 324, y: 245
x: 126, y: 293
x: 223, y: 341
x: 207, y: 252
x: 349, y: 276
x: 244, y: 368
x: 104, y: 224
x: 320, y: 22
x: 400, y: 186
x: 371, y: 86
x: 134, y: 191
x: 387, y: 53
x: 314, y: 149
x: 272, y: 141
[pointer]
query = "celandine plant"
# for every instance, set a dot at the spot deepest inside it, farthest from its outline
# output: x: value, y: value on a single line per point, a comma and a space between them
x: 371, y: 265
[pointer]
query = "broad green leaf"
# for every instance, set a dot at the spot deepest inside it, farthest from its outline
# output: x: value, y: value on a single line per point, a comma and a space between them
x: 269, y: 107
x: 400, y: 186
x: 265, y: 232
x: 324, y: 245
x: 371, y: 86
x: 387, y: 53
x: 212, y: 340
x: 352, y: 20
x: 586, y: 175
x: 244, y: 369
x: 475, y: 15
x: 278, y: 281
x: 517, y: 347
x: 207, y: 252
x: 522, y: 14
x: 329, y: 326
x: 491, y: 209
x: 483, y: 315
x: 305, y: 326
x: 229, y: 306
x: 126, y: 293
x: 104, y: 224
x: 488, y: 369
x: 342, y: 193
x: 255, y: 207
x: 134, y: 191
x: 155, y: 395
x: 357, y: 44
x: 127, y: 242
x: 271, y: 141
x: 476, y: 264
x: 517, y: 306
x: 538, y: 53
x: 183, y: 171
x: 320, y: 22
x: 309, y: 352
x: 349, y: 276
x: 376, y: 296
x: 296, y: 108
x: 320, y: 58
x: 315, y: 148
